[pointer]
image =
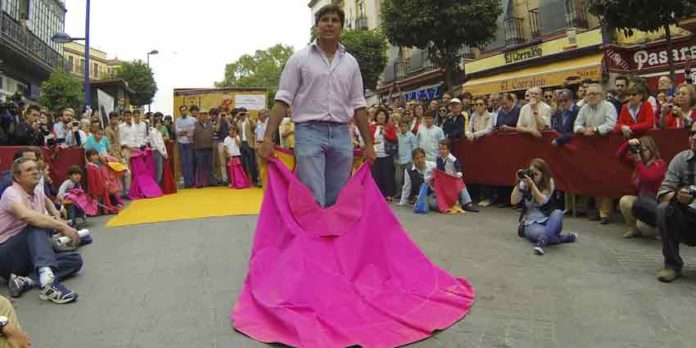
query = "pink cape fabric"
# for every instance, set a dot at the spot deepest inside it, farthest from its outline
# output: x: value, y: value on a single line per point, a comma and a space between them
x: 447, y: 188
x: 238, y: 178
x: 341, y: 276
x: 143, y: 184
x: 81, y: 199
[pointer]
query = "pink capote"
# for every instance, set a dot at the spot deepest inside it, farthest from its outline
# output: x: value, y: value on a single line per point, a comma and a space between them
x: 341, y: 276
x: 447, y: 188
x: 81, y: 199
x: 238, y: 178
x: 143, y: 184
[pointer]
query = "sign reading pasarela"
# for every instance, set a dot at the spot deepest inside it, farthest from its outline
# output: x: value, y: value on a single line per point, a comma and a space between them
x: 649, y: 57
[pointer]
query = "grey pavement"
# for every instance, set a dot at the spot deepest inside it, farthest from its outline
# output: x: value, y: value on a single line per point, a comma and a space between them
x: 173, y: 284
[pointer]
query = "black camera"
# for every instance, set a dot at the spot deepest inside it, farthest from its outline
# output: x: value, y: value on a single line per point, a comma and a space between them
x: 692, y: 191
x: 522, y: 173
x: 635, y: 149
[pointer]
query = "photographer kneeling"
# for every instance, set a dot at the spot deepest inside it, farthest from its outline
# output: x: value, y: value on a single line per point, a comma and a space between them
x: 539, y: 222
x: 649, y: 171
x: 676, y: 214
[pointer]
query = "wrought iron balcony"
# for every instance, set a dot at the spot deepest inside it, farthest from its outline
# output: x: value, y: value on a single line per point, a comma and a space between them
x: 534, y: 25
x: 514, y: 34
x: 576, y: 13
x: 361, y: 23
x: 28, y: 43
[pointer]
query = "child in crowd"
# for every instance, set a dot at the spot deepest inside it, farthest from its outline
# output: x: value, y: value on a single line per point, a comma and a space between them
x: 238, y: 178
x: 449, y: 164
x: 96, y: 182
x: 407, y: 143
x: 417, y: 174
x: 429, y: 136
x: 73, y: 182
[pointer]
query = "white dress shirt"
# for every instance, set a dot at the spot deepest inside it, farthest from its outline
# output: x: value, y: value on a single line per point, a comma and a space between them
x: 127, y: 135
x: 232, y: 147
x: 157, y: 142
x: 429, y: 140
x: 527, y: 119
x: 141, y: 133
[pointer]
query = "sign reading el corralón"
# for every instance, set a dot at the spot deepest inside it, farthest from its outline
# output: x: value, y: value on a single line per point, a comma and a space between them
x: 523, y: 54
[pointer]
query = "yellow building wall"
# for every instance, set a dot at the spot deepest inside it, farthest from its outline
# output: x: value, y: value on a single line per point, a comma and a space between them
x: 640, y: 37
x: 224, y: 99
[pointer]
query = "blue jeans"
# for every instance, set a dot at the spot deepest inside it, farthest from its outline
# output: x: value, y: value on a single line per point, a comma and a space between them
x: 159, y: 160
x: 324, y: 155
x: 186, y: 156
x: 549, y: 232
x: 31, y: 249
x: 204, y: 168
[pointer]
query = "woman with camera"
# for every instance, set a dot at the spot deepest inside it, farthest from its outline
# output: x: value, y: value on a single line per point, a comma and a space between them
x: 681, y: 113
x: 540, y: 223
x: 649, y: 171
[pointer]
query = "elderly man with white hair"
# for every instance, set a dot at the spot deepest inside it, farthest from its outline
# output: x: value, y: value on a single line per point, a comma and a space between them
x: 597, y: 117
x: 535, y: 116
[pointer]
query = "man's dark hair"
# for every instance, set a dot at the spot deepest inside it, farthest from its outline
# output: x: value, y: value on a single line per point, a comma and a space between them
x: 33, y: 107
x: 328, y: 9
x: 416, y: 151
x: 127, y: 112
x: 113, y: 114
x: 445, y: 143
x: 158, y: 114
x: 622, y: 77
x: 136, y: 112
x: 183, y: 107
x: 214, y: 112
x: 194, y: 108
x: 20, y: 153
x: 74, y: 170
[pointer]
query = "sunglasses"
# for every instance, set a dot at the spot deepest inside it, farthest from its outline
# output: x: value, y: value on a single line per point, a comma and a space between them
x: 443, y: 110
x: 549, y: 96
x: 480, y: 104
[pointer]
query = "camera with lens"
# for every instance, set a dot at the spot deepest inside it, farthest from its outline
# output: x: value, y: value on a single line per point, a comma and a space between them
x: 635, y: 149
x: 692, y: 190
x: 522, y: 173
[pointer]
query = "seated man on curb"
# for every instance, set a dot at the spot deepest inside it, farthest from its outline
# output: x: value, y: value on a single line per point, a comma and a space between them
x: 676, y: 214
x: 11, y: 334
x: 27, y: 258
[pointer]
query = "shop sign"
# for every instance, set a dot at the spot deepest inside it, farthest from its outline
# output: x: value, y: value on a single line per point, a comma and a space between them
x: 523, y: 54
x: 652, y: 57
x: 423, y: 94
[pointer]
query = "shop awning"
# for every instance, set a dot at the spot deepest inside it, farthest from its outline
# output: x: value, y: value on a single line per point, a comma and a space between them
x: 547, y: 75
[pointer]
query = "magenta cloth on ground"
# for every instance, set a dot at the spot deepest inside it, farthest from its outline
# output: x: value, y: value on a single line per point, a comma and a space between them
x: 238, y: 178
x: 447, y: 188
x: 81, y: 199
x: 143, y: 184
x: 341, y: 276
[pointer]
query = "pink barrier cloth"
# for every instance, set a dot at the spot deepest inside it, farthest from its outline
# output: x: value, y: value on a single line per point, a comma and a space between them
x: 341, y: 276
x: 143, y: 184
x: 238, y: 178
x: 81, y: 199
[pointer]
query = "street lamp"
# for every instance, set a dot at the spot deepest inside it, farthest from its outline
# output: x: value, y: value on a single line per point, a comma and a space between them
x: 63, y: 38
x: 151, y: 53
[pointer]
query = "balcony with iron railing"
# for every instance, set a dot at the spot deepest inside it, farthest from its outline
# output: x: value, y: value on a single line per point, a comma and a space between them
x: 361, y: 23
x: 514, y: 32
x: 576, y: 13
x: 534, y: 24
x: 23, y: 39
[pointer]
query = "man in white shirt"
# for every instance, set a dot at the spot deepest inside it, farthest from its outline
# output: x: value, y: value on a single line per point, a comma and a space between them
x: 159, y: 152
x: 535, y: 116
x: 185, y: 126
x: 141, y: 133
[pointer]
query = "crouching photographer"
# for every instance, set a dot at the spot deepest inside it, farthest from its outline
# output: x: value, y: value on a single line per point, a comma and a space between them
x: 640, y: 212
x: 539, y: 222
x: 676, y: 214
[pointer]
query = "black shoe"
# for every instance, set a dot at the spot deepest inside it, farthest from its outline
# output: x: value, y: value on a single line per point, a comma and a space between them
x: 605, y: 221
x: 470, y: 208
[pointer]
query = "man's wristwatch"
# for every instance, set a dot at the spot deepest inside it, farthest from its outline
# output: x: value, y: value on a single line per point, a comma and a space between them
x: 3, y: 322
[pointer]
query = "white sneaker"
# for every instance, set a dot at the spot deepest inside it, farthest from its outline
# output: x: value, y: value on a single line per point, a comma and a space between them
x: 538, y: 250
x: 484, y: 203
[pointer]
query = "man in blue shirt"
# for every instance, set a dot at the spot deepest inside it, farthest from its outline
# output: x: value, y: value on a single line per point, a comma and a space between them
x: 564, y: 119
x: 508, y: 115
x: 184, y: 130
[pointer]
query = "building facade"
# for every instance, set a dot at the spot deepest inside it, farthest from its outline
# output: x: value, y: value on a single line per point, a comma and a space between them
x: 27, y: 54
x: 101, y: 68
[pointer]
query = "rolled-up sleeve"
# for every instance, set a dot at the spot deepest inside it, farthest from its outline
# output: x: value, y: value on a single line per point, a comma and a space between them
x: 357, y: 93
x: 673, y: 176
x: 289, y: 81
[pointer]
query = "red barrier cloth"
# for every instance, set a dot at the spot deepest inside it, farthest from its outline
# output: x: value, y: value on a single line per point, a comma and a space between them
x: 59, y: 161
x: 447, y: 189
x: 585, y: 165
